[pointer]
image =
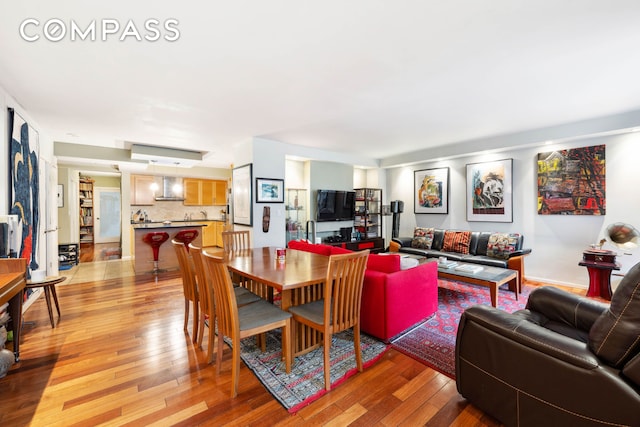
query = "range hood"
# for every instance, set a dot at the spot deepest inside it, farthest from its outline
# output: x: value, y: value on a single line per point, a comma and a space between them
x: 172, y: 189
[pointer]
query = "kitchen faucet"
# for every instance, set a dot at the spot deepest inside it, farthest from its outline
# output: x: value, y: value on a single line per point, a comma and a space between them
x: 204, y: 214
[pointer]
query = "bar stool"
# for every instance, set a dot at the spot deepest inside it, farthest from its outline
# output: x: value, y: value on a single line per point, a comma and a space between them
x: 49, y: 286
x: 155, y: 239
x: 186, y: 236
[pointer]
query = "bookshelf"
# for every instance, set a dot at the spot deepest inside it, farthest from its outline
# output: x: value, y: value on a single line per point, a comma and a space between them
x: 86, y: 210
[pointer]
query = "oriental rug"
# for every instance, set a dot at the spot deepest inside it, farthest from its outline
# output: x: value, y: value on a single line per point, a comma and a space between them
x: 433, y: 342
x: 305, y: 383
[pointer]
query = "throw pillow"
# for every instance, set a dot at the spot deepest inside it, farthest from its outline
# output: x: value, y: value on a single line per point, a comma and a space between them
x: 383, y: 263
x: 394, y: 246
x: 422, y: 238
x: 502, y: 245
x: 614, y: 335
x: 456, y: 241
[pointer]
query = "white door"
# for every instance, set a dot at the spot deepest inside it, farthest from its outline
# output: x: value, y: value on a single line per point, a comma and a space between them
x: 107, y: 220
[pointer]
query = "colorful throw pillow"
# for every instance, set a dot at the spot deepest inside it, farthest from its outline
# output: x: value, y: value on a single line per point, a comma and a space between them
x: 456, y: 241
x: 422, y: 238
x: 383, y: 263
x: 502, y: 245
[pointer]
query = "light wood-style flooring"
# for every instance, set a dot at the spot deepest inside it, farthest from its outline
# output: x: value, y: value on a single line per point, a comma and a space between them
x: 119, y: 356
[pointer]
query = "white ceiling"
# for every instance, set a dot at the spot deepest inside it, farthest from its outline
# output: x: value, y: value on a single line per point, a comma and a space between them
x: 369, y: 76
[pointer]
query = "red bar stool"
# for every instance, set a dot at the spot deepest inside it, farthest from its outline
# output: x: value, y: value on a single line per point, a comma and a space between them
x: 186, y: 237
x: 155, y: 239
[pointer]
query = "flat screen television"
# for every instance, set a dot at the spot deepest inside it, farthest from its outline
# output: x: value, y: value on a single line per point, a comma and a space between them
x: 335, y: 205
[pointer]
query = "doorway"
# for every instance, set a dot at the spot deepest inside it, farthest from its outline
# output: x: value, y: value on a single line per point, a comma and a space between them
x: 107, y: 224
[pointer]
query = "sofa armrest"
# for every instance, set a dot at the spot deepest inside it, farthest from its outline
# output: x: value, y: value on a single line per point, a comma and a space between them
x: 403, y: 241
x: 393, y: 302
x: 565, y: 307
x: 520, y: 252
x: 529, y: 334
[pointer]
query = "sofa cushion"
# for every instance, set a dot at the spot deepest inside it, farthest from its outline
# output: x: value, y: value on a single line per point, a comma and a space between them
x: 383, y: 263
x: 502, y: 245
x: 615, y: 335
x: 422, y: 238
x: 310, y: 247
x: 337, y: 250
x: 456, y: 241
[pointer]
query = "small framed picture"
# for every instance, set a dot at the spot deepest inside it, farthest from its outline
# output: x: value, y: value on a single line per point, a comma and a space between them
x: 269, y: 190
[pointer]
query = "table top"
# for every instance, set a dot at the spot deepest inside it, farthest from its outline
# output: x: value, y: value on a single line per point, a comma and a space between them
x: 10, y: 285
x: 299, y: 268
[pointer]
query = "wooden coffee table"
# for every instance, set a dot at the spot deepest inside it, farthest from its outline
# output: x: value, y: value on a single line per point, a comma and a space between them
x: 491, y: 277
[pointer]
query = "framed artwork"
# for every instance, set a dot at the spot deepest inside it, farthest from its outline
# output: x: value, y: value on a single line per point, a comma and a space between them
x: 431, y: 191
x: 242, y: 198
x: 489, y: 191
x: 60, y: 196
x: 572, y: 182
x: 269, y: 190
x: 24, y: 191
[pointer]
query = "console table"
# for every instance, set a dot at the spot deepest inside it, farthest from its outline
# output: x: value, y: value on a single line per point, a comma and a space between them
x: 13, y: 278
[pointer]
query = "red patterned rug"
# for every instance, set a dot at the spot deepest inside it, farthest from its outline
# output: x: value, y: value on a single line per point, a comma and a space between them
x: 433, y: 342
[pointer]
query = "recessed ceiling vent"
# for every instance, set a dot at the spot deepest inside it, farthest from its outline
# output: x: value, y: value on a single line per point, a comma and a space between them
x: 166, y: 156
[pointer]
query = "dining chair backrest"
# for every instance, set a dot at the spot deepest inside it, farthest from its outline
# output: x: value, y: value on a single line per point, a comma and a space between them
x: 188, y: 285
x: 225, y: 303
x: 206, y: 299
x: 343, y: 290
x: 205, y: 291
x: 187, y: 273
x: 233, y: 241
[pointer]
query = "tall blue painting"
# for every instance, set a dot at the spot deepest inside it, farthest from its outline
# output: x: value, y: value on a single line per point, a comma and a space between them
x: 25, y: 196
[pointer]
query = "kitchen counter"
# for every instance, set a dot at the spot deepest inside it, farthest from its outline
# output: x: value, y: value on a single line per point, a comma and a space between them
x: 167, y: 259
x: 178, y: 223
x: 209, y: 234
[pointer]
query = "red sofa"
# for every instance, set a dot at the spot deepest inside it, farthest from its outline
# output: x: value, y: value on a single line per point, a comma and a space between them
x: 393, y: 300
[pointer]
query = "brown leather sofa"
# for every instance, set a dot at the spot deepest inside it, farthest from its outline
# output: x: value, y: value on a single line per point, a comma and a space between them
x: 565, y: 360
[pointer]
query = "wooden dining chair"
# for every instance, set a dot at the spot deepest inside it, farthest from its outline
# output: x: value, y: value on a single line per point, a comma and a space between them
x: 188, y: 285
x: 237, y: 323
x: 233, y: 241
x: 342, y: 291
x: 207, y: 302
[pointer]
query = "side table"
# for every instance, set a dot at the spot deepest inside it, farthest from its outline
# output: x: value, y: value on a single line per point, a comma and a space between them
x: 49, y: 286
x: 600, y: 277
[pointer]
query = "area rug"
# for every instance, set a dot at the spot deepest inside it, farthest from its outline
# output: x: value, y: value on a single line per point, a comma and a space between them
x: 305, y: 383
x: 433, y: 342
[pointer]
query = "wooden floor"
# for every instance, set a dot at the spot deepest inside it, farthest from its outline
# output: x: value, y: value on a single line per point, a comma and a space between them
x: 119, y: 356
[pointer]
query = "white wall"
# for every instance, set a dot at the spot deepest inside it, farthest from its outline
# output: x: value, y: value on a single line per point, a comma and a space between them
x: 557, y: 241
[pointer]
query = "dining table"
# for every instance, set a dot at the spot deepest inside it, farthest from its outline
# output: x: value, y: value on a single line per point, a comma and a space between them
x: 296, y: 279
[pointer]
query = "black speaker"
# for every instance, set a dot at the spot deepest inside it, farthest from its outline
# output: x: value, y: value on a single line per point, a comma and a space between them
x: 397, y: 206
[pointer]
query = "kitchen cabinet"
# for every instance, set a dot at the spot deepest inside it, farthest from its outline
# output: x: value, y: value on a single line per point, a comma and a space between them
x: 212, y: 233
x: 141, y: 192
x: 204, y: 192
